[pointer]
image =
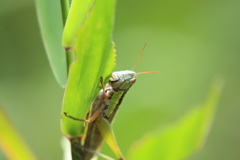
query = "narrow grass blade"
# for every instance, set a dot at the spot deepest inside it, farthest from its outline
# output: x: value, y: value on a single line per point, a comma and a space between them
x: 178, y: 140
x: 106, y: 131
x: 10, y: 142
x: 94, y: 59
x: 77, y: 14
x: 51, y: 26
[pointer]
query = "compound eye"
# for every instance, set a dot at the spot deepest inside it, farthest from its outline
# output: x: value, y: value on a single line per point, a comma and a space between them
x: 113, y: 78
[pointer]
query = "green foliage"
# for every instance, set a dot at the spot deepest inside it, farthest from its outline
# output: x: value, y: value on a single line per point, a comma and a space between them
x: 107, y: 132
x: 178, y: 140
x: 189, y: 42
x: 77, y: 14
x: 51, y: 26
x: 94, y: 59
x: 11, y: 143
x: 88, y: 33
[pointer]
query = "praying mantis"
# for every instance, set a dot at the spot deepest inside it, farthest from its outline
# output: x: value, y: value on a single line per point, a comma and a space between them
x: 103, y: 110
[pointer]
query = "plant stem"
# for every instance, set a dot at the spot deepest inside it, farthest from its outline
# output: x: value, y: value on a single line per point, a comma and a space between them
x: 69, y: 53
x: 65, y: 9
x: 70, y: 57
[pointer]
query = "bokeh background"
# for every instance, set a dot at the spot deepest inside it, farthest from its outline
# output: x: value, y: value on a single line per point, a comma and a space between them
x: 189, y: 42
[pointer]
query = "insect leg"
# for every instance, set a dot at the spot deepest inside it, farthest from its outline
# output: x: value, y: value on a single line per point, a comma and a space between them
x: 98, y: 111
x: 91, y: 119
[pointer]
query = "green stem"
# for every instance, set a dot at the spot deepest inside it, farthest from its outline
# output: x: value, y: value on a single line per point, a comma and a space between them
x: 76, y: 151
x: 65, y: 9
x: 70, y: 57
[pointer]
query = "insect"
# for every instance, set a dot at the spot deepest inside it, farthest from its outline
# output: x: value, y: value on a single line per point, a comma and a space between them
x: 104, y: 108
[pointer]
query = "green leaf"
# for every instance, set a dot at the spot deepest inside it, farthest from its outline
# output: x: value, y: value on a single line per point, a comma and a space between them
x: 107, y: 132
x: 77, y: 14
x: 94, y: 59
x: 51, y: 26
x: 10, y: 142
x: 178, y: 140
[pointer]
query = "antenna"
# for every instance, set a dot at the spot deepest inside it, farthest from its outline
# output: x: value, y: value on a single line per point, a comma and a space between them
x: 146, y: 72
x: 139, y: 57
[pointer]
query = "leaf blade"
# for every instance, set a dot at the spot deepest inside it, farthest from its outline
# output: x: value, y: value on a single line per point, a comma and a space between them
x: 94, y: 58
x: 51, y: 26
x: 178, y: 140
x: 76, y: 17
x: 10, y: 141
x: 107, y: 132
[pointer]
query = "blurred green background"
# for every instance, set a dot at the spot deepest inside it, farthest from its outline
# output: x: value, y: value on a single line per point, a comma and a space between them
x: 189, y: 42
